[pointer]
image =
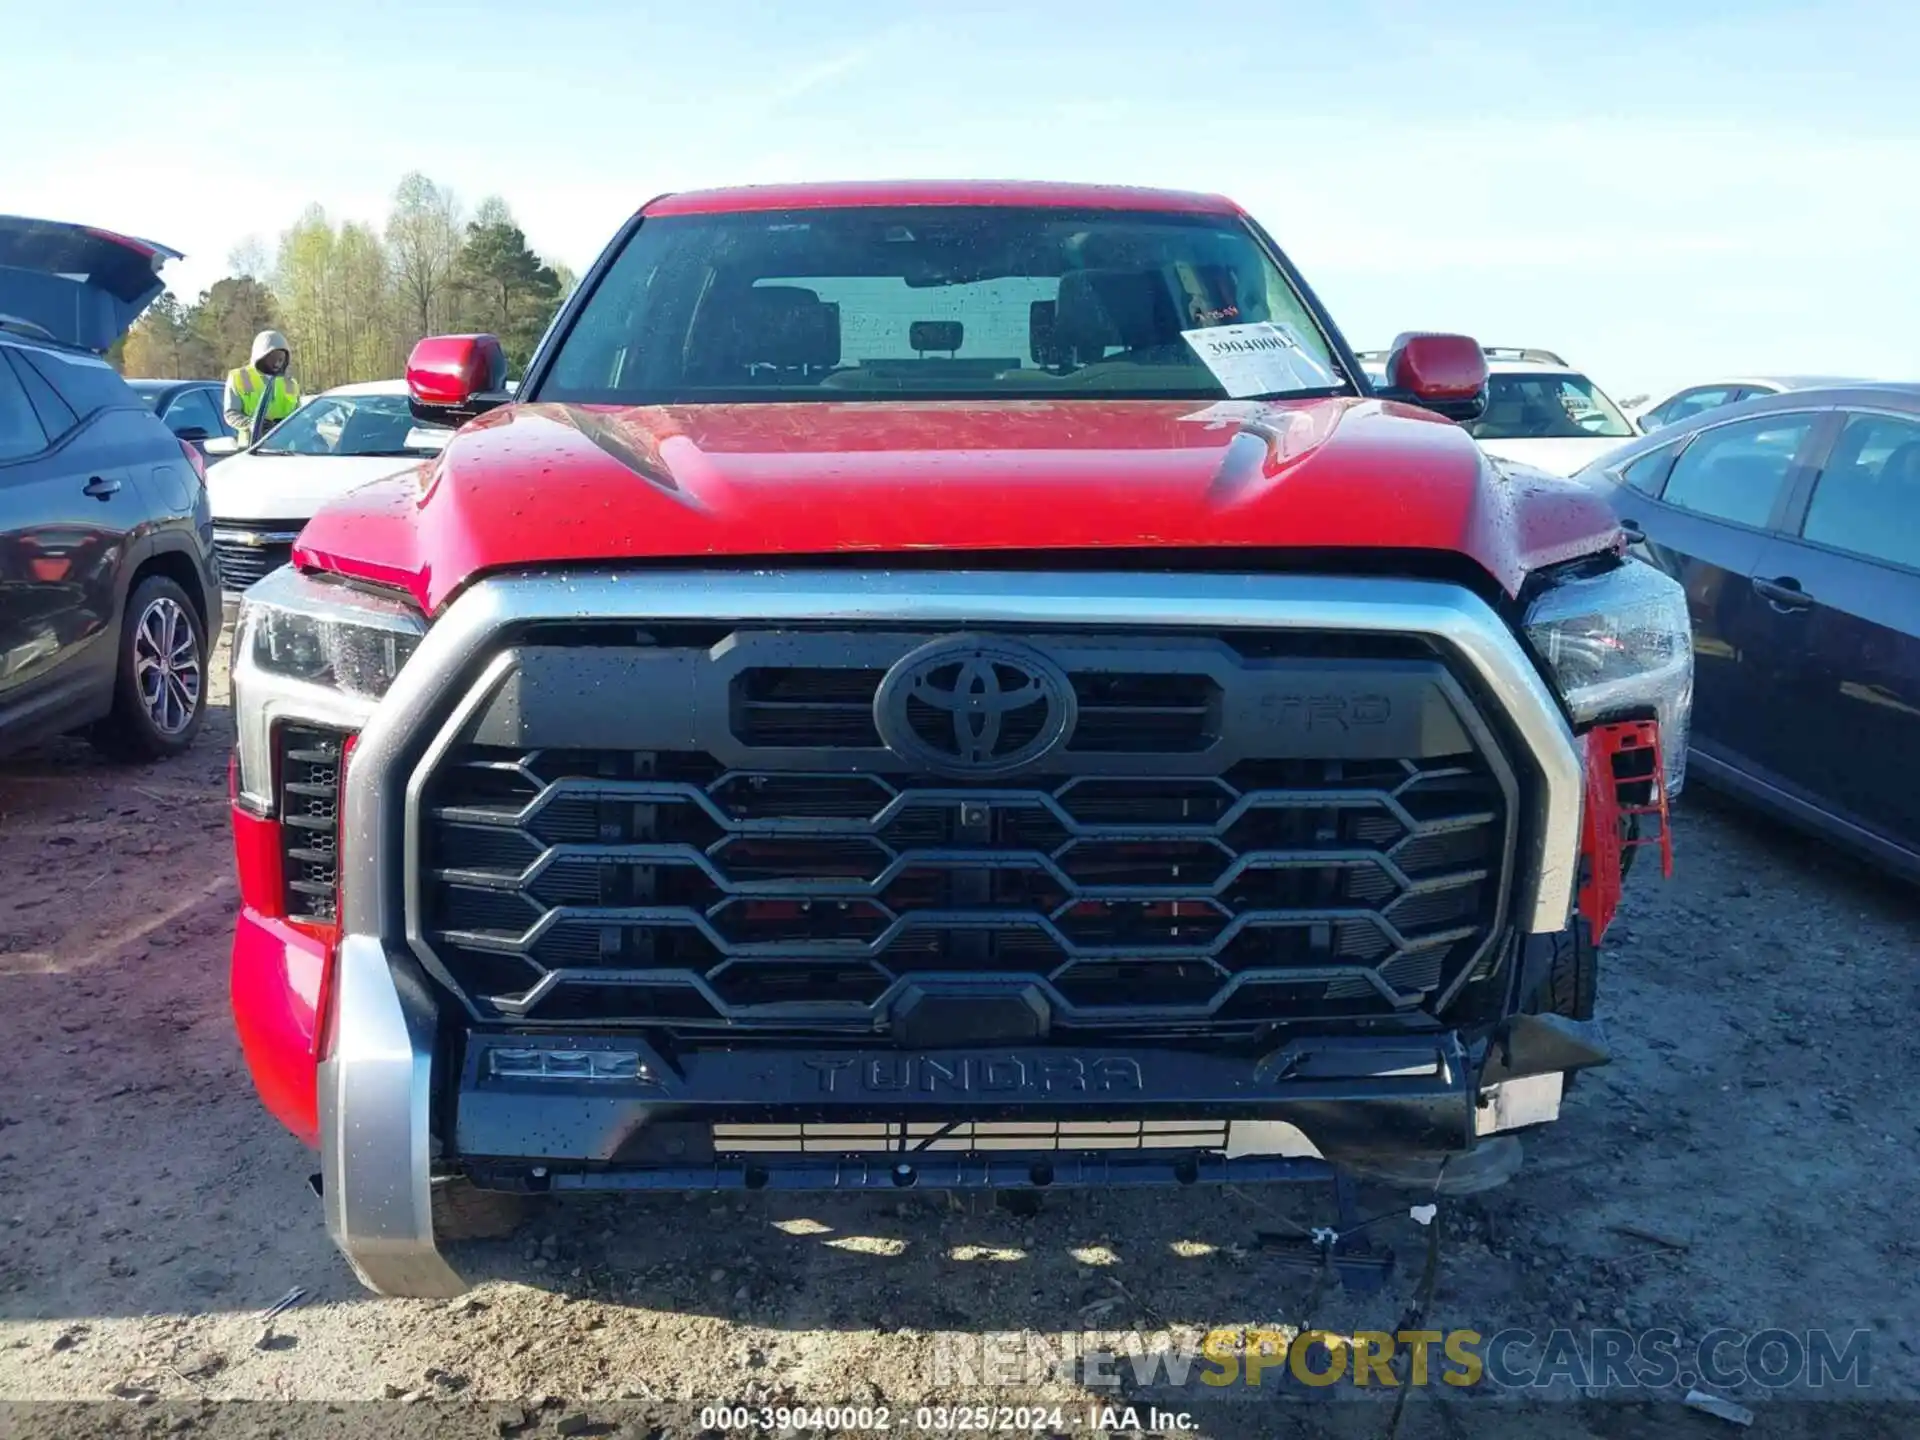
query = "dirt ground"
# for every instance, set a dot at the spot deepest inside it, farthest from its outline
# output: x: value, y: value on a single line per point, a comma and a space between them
x: 1758, y: 1130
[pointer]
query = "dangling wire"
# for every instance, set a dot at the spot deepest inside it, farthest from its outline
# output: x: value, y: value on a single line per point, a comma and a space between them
x: 1415, y: 1314
x: 1423, y: 1296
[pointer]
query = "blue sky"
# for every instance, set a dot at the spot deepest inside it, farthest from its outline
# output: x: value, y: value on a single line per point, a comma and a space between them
x: 1659, y: 191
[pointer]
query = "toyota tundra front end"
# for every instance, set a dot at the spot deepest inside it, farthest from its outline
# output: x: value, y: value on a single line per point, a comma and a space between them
x: 934, y: 685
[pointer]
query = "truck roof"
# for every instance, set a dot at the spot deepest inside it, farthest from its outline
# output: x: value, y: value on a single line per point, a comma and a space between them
x: 852, y: 193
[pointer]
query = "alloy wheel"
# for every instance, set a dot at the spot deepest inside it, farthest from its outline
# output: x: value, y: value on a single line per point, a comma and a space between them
x: 166, y: 665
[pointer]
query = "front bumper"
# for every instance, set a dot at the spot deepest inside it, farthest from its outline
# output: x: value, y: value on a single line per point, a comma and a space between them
x: 392, y: 1117
x: 616, y: 1113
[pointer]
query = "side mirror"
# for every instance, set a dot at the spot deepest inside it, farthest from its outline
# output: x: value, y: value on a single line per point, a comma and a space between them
x: 1446, y: 374
x: 452, y: 378
x: 221, y: 445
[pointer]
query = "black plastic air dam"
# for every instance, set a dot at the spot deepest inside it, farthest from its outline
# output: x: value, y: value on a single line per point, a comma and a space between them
x: 1350, y: 1095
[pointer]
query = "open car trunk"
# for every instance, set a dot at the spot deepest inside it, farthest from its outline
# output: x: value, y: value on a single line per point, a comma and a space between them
x: 75, y: 284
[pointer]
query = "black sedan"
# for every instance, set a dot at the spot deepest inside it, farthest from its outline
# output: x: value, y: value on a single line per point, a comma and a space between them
x: 1793, y: 521
x: 189, y: 408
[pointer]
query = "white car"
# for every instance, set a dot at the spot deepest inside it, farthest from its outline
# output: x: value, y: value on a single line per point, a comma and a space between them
x: 1684, y: 404
x: 336, y: 441
x: 1541, y: 412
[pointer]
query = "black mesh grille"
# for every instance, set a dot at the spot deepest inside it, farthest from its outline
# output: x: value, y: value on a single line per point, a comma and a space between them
x: 309, y: 764
x: 617, y: 885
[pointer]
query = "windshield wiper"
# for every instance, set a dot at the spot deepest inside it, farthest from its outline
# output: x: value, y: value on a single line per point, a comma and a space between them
x: 1305, y: 392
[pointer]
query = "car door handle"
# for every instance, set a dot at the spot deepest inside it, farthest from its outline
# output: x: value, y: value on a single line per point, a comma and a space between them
x: 101, y: 488
x: 1783, y: 594
x: 1634, y: 534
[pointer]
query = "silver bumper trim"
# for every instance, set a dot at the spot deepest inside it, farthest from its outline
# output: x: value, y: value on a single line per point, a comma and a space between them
x: 375, y: 1082
x: 375, y: 1130
x: 1517, y: 1104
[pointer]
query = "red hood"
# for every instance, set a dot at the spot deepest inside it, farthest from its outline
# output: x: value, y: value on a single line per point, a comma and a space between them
x: 553, y: 484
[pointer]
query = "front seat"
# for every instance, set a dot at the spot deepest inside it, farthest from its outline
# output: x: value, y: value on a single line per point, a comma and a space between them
x: 1900, y: 471
x: 766, y: 333
x: 1505, y: 415
x: 370, y: 429
x: 1100, y: 310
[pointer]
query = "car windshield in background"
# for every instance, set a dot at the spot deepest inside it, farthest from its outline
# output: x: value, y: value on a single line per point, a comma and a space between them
x: 1548, y: 407
x: 150, y: 394
x: 939, y: 302
x: 352, y: 425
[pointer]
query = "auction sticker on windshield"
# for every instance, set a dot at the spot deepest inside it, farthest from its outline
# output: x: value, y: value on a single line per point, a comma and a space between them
x: 1260, y: 358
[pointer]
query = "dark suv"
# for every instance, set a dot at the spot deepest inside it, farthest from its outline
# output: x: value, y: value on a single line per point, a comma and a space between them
x: 107, y: 582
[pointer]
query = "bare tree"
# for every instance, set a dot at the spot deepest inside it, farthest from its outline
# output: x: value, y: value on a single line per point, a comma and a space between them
x: 423, y: 242
x: 367, y: 302
x: 494, y: 212
x: 248, y: 259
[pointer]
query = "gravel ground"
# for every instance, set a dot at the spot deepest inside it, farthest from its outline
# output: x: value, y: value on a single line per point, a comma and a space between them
x: 1757, y: 1130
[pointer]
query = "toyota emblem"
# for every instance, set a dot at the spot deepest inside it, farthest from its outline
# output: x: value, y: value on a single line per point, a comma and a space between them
x: 974, y: 706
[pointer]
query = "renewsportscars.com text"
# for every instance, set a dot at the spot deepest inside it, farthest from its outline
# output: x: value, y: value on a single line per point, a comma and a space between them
x: 1512, y: 1359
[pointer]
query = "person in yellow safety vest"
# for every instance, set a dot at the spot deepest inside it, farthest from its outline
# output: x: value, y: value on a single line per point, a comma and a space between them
x: 260, y: 394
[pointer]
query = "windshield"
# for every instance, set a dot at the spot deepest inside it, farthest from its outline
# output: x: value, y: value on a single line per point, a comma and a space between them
x: 353, y: 425
x: 940, y: 302
x: 149, y: 394
x: 1548, y: 407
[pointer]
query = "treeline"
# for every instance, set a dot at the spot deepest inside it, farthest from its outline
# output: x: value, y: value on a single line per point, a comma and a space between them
x: 352, y: 300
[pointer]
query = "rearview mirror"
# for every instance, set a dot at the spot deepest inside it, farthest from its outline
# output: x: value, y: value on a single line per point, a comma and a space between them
x: 452, y: 378
x: 221, y: 445
x: 1446, y: 374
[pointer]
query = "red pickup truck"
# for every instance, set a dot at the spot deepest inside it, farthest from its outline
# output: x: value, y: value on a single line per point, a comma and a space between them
x: 934, y: 684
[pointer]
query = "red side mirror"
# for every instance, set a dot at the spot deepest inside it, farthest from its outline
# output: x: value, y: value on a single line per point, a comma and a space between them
x: 1445, y: 373
x: 454, y: 372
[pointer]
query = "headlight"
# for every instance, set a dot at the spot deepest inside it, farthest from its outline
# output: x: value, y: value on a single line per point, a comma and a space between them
x: 328, y: 635
x: 1619, y: 643
x: 315, y: 650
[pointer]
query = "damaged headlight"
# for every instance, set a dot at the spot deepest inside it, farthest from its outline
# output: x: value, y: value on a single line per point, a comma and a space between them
x: 311, y: 649
x: 1619, y: 644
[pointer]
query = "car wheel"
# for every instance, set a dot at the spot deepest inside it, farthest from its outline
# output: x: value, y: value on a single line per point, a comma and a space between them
x: 160, y: 689
x: 1572, y: 982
